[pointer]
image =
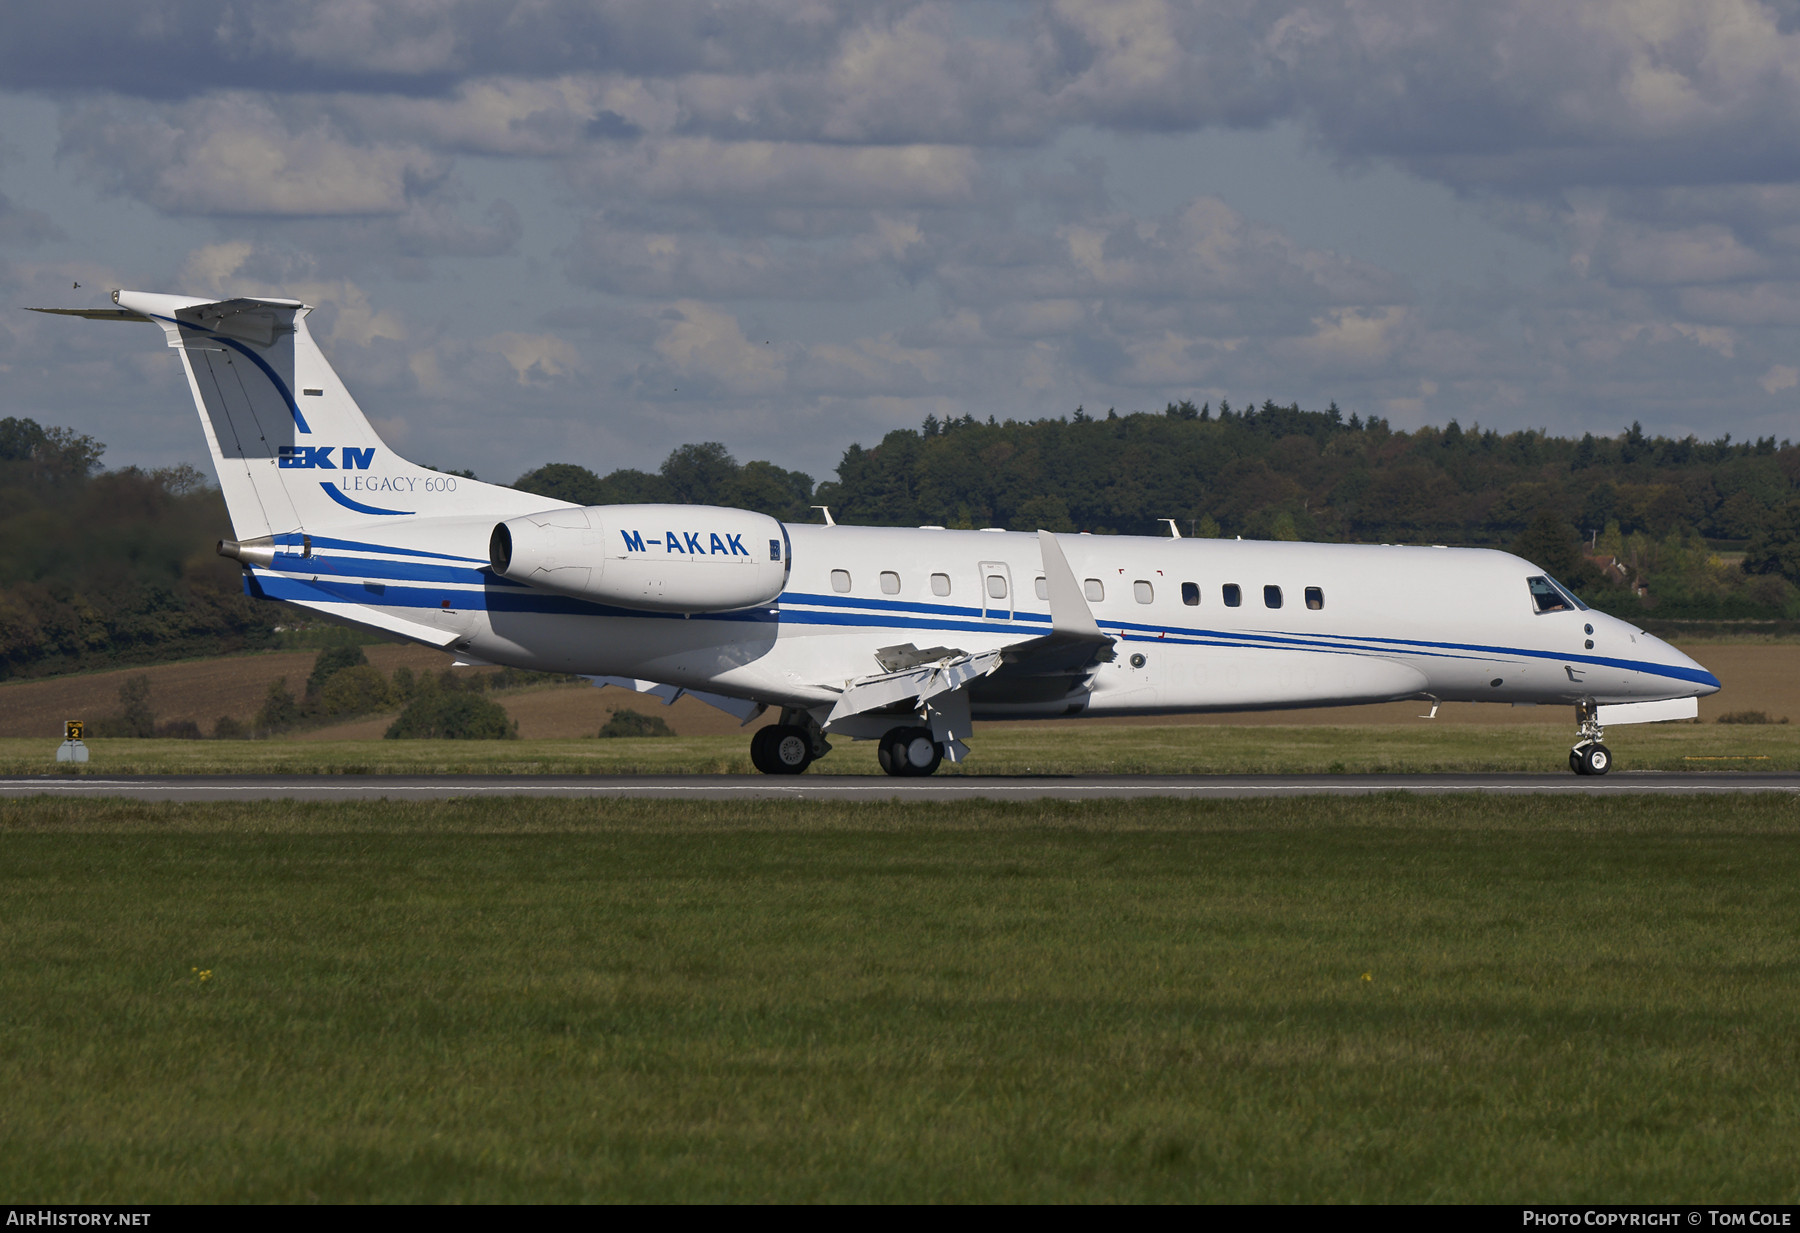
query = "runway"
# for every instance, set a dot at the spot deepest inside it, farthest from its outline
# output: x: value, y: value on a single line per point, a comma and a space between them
x: 872, y: 788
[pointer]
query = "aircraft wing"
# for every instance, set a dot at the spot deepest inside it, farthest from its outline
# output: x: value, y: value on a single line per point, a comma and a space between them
x: 934, y: 683
x: 741, y: 709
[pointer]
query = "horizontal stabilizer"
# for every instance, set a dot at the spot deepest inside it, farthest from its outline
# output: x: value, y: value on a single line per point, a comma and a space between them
x: 94, y: 314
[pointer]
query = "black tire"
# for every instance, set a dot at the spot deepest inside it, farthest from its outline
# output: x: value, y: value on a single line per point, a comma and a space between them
x: 1576, y: 763
x: 891, y: 751
x: 902, y: 749
x: 760, y: 756
x: 1597, y: 758
x: 789, y: 749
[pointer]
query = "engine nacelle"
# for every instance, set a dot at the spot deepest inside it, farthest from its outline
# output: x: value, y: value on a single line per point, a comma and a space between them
x: 659, y: 558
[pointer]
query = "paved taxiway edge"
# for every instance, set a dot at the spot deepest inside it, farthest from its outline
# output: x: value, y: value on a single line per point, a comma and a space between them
x: 820, y: 787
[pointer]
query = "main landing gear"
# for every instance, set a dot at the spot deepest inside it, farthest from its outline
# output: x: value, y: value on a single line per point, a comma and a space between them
x: 1589, y: 757
x: 789, y: 747
x: 909, y: 751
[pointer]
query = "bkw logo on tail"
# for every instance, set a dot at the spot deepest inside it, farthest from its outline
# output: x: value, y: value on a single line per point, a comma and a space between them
x: 318, y: 458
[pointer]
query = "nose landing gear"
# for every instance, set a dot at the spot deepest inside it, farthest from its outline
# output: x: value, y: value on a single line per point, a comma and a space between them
x: 1589, y: 757
x: 1592, y: 759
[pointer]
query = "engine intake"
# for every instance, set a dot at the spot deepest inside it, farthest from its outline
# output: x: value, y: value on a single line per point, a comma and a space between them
x: 656, y: 558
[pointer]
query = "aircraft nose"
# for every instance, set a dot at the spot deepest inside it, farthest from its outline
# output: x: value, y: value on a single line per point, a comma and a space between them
x: 1700, y: 682
x: 1656, y: 658
x: 1708, y: 684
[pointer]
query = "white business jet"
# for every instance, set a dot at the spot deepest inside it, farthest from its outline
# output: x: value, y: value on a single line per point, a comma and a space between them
x: 898, y: 636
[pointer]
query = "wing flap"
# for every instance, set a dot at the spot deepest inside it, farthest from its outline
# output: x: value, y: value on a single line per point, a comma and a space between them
x: 912, y: 689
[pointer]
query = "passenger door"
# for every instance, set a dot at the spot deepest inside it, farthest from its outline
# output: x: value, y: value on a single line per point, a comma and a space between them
x: 996, y: 590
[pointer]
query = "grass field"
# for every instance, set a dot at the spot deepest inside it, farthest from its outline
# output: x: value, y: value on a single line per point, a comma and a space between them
x: 1003, y: 749
x: 1757, y: 676
x: 1379, y: 999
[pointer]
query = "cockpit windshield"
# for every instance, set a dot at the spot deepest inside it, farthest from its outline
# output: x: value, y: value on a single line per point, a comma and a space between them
x: 1549, y: 595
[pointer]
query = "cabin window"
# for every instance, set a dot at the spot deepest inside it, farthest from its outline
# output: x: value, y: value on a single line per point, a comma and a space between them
x: 1190, y: 594
x: 1042, y: 587
x: 840, y: 580
x: 1315, y: 599
x: 890, y: 582
x: 1233, y: 596
x: 1094, y: 590
x: 1142, y: 591
x: 940, y: 584
x: 1271, y: 597
x: 996, y: 586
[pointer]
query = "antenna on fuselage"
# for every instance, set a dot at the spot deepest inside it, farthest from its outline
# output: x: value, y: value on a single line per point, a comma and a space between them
x: 826, y: 510
x: 1174, y: 531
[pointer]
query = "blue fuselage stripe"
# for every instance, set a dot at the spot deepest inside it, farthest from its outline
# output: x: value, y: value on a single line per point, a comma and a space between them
x: 351, y: 545
x: 486, y: 599
x: 361, y: 569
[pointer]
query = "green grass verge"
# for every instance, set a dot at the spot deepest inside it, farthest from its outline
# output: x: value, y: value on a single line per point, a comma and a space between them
x: 1444, y: 999
x: 1049, y: 748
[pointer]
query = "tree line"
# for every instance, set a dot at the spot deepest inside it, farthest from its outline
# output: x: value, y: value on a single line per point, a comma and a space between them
x: 106, y: 568
x: 1687, y: 528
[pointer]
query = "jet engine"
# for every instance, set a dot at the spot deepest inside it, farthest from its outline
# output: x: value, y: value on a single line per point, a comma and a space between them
x: 657, y: 558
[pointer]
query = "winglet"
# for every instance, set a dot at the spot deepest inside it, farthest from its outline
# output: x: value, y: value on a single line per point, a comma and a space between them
x: 1069, y: 612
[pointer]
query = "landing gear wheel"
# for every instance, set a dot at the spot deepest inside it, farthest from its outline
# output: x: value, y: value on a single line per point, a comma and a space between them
x: 1590, y: 759
x: 909, y: 752
x: 789, y: 749
x: 760, y: 757
x: 1597, y: 758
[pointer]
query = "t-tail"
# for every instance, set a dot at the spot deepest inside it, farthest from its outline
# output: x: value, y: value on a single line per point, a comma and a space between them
x: 294, y: 453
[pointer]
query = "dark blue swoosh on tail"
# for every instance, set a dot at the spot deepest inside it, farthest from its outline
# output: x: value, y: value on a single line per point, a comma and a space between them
x: 331, y: 490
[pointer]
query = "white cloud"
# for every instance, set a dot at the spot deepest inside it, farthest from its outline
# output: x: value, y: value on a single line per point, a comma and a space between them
x: 1349, y: 339
x: 696, y: 339
x: 787, y: 173
x: 209, y: 269
x: 1780, y: 377
x: 384, y: 36
x: 673, y: 264
x: 1751, y: 304
x: 1712, y: 337
x: 535, y: 357
x: 237, y: 154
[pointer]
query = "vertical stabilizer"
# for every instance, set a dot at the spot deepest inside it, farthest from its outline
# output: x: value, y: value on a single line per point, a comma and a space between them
x: 293, y: 451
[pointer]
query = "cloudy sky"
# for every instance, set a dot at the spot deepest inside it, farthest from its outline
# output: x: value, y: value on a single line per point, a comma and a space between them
x: 544, y: 230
